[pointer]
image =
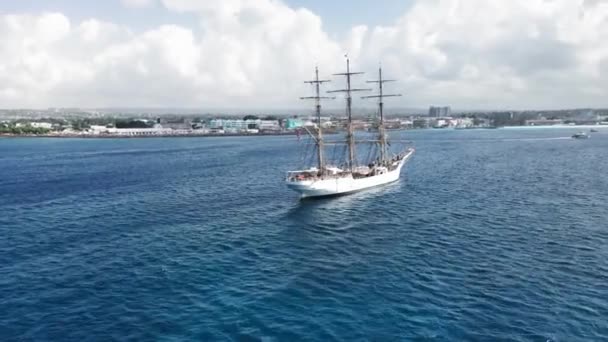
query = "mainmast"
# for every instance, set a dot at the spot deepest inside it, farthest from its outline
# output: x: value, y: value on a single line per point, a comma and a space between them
x: 349, y: 101
x: 380, y: 97
x: 319, y: 140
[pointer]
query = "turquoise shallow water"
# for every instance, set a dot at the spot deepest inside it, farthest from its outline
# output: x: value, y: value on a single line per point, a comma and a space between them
x: 490, y: 235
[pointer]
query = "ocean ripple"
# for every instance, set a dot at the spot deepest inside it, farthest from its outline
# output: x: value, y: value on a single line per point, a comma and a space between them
x: 490, y: 235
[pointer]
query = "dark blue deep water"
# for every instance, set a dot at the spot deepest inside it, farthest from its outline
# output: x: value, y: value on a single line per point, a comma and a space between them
x: 491, y: 235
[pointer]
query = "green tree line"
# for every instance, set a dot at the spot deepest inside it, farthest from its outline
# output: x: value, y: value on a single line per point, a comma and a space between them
x: 13, y: 129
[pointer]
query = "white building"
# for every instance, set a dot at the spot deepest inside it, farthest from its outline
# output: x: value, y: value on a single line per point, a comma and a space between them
x: 464, y: 122
x: 236, y: 125
x: 407, y: 123
x: 269, y: 125
x: 98, y: 129
x: 231, y: 124
x: 141, y: 131
x: 45, y: 125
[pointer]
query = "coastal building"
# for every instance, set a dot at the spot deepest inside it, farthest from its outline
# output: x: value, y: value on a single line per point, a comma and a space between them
x: 421, y: 123
x: 294, y: 123
x: 139, y: 131
x: 462, y: 123
x: 544, y: 122
x: 407, y: 124
x: 153, y: 131
x: 442, y: 123
x: 45, y: 125
x: 392, y: 123
x: 249, y: 126
x: 229, y: 124
x: 297, y: 123
x: 98, y: 129
x: 324, y: 120
x: 269, y: 125
x: 438, y: 112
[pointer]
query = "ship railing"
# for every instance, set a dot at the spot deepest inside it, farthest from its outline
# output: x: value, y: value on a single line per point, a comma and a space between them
x: 294, y: 176
x: 298, y: 176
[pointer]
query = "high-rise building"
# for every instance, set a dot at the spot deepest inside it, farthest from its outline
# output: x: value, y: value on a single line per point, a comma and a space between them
x: 439, y: 112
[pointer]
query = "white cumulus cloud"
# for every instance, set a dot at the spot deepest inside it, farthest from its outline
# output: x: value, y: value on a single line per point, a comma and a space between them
x: 137, y: 3
x: 467, y: 53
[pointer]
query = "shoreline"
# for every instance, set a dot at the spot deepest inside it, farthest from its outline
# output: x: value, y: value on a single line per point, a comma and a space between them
x: 558, y: 127
x: 118, y: 136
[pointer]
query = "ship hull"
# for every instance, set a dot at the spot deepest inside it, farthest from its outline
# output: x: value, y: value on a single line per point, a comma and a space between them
x: 347, y: 184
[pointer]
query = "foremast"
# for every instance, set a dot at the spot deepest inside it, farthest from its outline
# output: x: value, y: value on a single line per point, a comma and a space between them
x: 381, y: 128
x: 317, y: 98
x: 350, y: 137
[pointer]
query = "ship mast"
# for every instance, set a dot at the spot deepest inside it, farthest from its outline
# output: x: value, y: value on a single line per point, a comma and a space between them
x: 319, y: 139
x: 380, y: 96
x: 349, y: 101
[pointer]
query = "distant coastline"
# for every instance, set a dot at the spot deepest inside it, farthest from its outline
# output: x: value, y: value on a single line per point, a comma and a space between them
x: 598, y: 126
x: 75, y: 126
x: 120, y: 136
x: 282, y: 133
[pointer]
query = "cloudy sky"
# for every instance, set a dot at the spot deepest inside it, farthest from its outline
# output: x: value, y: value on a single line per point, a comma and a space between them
x: 471, y: 54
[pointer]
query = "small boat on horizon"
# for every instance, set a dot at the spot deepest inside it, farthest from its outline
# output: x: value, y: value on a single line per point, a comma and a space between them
x: 581, y: 135
x: 593, y: 130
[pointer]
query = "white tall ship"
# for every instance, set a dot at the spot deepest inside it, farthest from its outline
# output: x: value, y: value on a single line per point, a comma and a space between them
x: 325, y: 179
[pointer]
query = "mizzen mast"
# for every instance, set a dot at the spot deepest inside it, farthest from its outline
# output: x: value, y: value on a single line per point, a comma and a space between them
x: 349, y: 101
x: 380, y: 96
x: 319, y: 139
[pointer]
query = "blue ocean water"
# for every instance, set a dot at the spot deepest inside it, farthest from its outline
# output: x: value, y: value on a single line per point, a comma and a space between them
x: 490, y: 236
